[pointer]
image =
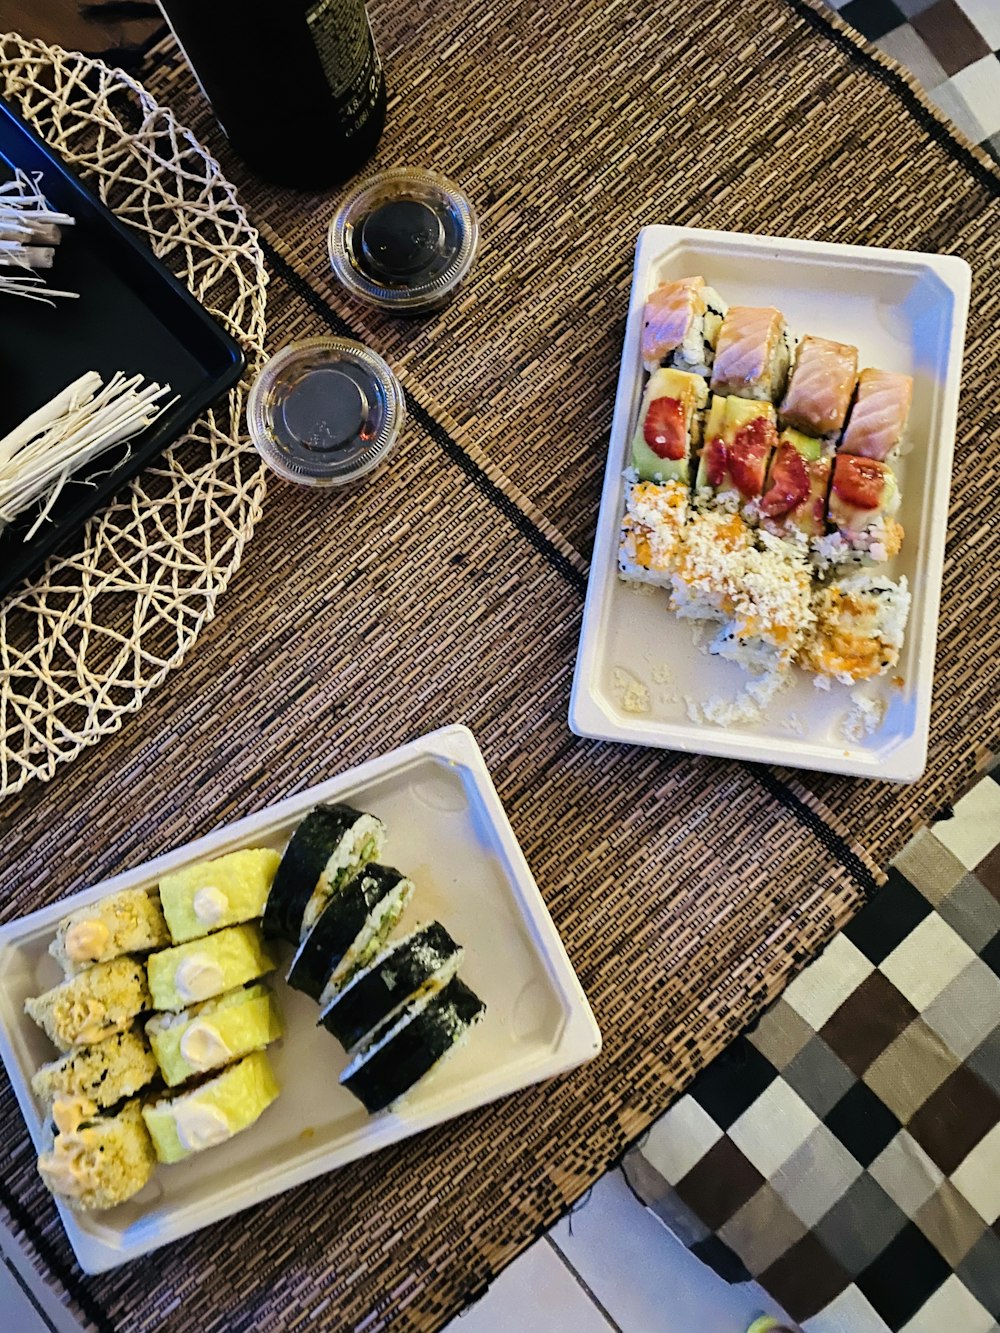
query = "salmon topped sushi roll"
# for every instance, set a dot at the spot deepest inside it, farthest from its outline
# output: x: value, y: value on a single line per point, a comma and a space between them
x: 680, y: 326
x: 669, y: 426
x: 752, y: 354
x: 793, y: 505
x: 651, y: 532
x: 820, y: 387
x: 864, y: 496
x: 879, y: 415
x: 740, y: 434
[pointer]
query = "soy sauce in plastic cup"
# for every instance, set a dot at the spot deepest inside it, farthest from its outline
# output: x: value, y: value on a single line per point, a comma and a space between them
x: 325, y: 412
x: 405, y: 241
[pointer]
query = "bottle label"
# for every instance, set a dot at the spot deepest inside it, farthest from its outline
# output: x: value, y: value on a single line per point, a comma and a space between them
x: 343, y: 40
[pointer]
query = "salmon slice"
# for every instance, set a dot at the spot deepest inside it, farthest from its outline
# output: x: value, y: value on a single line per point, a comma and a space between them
x: 669, y: 312
x: 745, y: 352
x: 878, y: 417
x: 820, y: 387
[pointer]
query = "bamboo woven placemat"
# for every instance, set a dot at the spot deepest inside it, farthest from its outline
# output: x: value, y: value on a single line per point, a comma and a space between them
x: 686, y: 889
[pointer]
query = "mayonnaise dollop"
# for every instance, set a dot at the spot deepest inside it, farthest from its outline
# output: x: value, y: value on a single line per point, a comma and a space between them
x: 200, y: 1126
x: 210, y: 905
x: 202, y: 1046
x: 86, y: 941
x: 198, y: 978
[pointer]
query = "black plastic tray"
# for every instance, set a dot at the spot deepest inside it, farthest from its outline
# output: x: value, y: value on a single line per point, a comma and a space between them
x: 131, y: 315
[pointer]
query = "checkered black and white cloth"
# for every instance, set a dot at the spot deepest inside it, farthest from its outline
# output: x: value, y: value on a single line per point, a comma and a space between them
x: 846, y: 1153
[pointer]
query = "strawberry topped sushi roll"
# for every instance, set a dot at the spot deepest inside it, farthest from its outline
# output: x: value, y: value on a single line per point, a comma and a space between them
x: 680, y: 326
x: 864, y: 496
x: 739, y: 436
x: 793, y: 505
x: 651, y: 533
x: 820, y: 387
x: 669, y: 426
x: 752, y: 354
x: 879, y: 415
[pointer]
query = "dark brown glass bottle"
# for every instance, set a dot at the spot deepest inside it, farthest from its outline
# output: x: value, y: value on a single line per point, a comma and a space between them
x: 297, y: 85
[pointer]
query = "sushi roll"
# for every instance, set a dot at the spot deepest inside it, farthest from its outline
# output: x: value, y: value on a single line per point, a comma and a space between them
x: 129, y: 922
x: 680, y: 325
x: 214, y: 1033
x: 820, y: 387
x: 425, y: 960
x: 740, y: 435
x: 202, y: 969
x: 752, y: 354
x: 105, y: 1073
x: 879, y: 415
x: 711, y: 566
x: 859, y: 625
x: 771, y: 609
x: 326, y: 848
x: 213, y: 1112
x: 94, y: 1004
x: 211, y: 895
x: 864, y: 496
x: 350, y: 930
x: 793, y: 505
x: 404, y: 1049
x: 669, y: 426
x: 651, y: 533
x: 96, y: 1161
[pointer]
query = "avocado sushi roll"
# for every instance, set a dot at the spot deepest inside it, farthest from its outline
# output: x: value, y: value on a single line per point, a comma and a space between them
x: 324, y: 851
x: 400, y: 1052
x: 669, y: 426
x: 425, y: 960
x: 349, y: 931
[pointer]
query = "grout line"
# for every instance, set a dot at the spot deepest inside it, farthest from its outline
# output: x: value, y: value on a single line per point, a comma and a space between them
x: 613, y: 1324
x: 32, y: 1299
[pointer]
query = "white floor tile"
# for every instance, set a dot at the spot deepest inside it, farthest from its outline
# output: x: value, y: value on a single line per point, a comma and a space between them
x: 974, y: 829
x: 17, y: 1312
x: 40, y: 1311
x: 644, y: 1278
x: 536, y: 1294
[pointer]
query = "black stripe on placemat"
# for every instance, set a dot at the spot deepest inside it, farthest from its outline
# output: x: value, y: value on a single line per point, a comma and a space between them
x: 894, y: 81
x: 837, y: 846
x: 94, y: 1312
x: 435, y: 430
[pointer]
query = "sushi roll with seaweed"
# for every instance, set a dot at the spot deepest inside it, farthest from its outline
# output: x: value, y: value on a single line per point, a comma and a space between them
x: 820, y: 388
x: 864, y: 496
x: 421, y: 962
x: 407, y: 1047
x: 652, y: 529
x: 793, y: 505
x: 752, y: 354
x: 740, y: 435
x: 350, y: 930
x: 858, y: 631
x: 879, y: 415
x: 330, y: 844
x: 669, y: 426
x: 680, y: 325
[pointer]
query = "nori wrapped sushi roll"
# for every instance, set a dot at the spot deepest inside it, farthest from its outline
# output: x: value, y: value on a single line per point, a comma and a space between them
x: 404, y: 1049
x: 427, y: 958
x: 326, y: 848
x: 350, y: 930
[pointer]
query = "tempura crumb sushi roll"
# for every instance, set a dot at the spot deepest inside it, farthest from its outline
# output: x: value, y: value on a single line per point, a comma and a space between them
x: 680, y: 325
x: 793, y: 505
x: 404, y: 1049
x: 350, y: 930
x: 864, y: 496
x: 129, y: 922
x: 97, y: 1161
x: 772, y: 609
x: 752, y: 353
x: 651, y: 533
x: 669, y: 426
x: 820, y: 387
x: 323, y: 852
x: 739, y: 436
x: 422, y: 961
x: 94, y: 1004
x: 711, y: 565
x: 105, y: 1073
x: 879, y: 414
x: 859, y: 628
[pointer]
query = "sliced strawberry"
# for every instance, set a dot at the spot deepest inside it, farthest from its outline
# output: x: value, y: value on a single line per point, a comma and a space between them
x: 748, y: 455
x: 714, y: 457
x: 788, y: 483
x: 859, y: 482
x: 663, y: 430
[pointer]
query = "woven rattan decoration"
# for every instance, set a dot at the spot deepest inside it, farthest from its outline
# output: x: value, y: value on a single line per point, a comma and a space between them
x: 81, y: 645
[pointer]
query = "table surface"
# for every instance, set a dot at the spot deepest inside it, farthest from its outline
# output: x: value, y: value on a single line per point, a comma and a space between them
x: 452, y: 591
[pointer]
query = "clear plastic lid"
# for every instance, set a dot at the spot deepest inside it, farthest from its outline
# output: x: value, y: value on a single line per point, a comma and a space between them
x: 325, y: 411
x: 404, y: 241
